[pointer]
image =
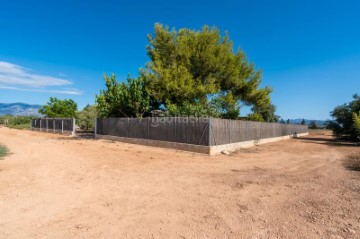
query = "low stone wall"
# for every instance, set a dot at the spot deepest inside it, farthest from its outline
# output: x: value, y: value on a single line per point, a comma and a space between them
x: 211, y: 150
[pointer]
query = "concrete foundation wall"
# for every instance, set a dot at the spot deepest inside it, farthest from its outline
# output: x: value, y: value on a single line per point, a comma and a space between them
x: 212, y: 150
x: 157, y: 143
x: 65, y: 132
x: 247, y: 144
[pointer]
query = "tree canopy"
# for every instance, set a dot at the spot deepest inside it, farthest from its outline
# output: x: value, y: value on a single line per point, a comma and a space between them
x: 265, y: 113
x: 125, y: 99
x: 56, y: 108
x: 86, y: 117
x: 343, y: 115
x: 189, y: 73
x: 312, y: 125
x: 188, y: 67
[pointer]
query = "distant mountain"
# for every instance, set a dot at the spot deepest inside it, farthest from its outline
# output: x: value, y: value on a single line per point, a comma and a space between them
x: 307, y: 121
x: 19, y: 109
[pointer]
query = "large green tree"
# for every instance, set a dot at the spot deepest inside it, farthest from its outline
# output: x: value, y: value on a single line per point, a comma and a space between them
x: 199, y: 68
x: 123, y: 99
x: 343, y: 115
x: 56, y: 108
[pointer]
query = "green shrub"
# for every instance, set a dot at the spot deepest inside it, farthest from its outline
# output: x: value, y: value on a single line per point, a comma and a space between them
x: 20, y: 126
x: 17, y: 122
x: 4, y: 151
x: 86, y: 117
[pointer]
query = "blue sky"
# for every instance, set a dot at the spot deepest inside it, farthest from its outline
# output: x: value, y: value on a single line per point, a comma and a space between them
x: 309, y: 51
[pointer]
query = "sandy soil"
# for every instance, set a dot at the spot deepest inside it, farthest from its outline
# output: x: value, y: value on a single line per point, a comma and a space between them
x: 58, y: 187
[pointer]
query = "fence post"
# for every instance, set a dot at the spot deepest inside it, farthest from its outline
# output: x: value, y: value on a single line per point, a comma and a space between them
x: 175, y: 128
x: 148, y: 127
x: 210, y: 133
x: 229, y: 127
x: 187, y: 130
x: 40, y: 124
x: 54, y: 125
x: 95, y: 128
x: 127, y: 127
x: 74, y: 127
x: 62, y: 126
x: 47, y: 125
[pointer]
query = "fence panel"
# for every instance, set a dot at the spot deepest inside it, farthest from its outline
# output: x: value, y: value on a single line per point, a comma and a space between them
x: 54, y: 125
x: 233, y: 131
x: 197, y: 131
x: 172, y: 129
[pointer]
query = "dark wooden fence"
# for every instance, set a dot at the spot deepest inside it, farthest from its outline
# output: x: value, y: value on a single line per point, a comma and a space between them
x: 232, y: 131
x: 197, y: 131
x: 172, y: 129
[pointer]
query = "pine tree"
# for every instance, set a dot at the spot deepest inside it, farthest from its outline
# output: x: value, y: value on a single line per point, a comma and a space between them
x: 193, y: 67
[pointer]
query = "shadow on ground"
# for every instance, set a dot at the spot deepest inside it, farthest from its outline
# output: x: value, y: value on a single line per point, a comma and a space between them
x: 328, y: 141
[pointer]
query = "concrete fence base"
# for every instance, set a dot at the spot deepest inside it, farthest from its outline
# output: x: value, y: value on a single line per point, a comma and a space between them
x: 157, y: 143
x: 63, y: 132
x: 247, y: 144
x: 211, y: 150
x: 65, y: 126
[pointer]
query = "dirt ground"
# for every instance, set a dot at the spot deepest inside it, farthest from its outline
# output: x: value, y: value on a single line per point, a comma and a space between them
x: 58, y: 187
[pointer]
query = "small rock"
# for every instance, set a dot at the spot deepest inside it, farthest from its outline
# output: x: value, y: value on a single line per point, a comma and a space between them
x: 225, y: 152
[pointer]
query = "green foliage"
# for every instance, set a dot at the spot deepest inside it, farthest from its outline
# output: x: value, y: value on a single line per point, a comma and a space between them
x: 282, y: 121
x: 288, y: 121
x: 4, y: 151
x: 356, y: 120
x: 125, y: 99
x: 57, y: 108
x: 86, y: 117
x: 264, y: 113
x: 255, y: 117
x: 190, y: 73
x: 343, y: 124
x: 17, y: 122
x: 195, y: 109
x: 194, y: 67
x: 312, y: 125
x: 303, y: 122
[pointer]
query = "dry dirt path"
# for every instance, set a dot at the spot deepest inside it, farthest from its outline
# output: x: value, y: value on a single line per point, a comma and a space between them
x: 58, y: 187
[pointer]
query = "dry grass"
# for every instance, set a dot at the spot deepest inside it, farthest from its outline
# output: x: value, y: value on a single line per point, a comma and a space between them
x: 352, y: 161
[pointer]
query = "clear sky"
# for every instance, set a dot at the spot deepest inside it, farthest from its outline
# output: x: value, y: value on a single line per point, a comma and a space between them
x: 309, y: 51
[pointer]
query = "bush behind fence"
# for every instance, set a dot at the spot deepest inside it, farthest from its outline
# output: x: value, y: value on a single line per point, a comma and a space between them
x: 197, y: 131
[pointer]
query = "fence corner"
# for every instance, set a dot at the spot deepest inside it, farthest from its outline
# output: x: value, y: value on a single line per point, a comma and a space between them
x: 73, y: 133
